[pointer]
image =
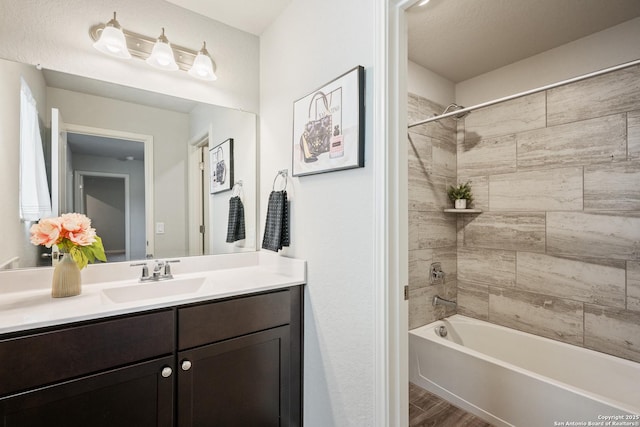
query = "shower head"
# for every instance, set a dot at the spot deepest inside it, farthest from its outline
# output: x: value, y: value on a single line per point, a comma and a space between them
x: 454, y: 107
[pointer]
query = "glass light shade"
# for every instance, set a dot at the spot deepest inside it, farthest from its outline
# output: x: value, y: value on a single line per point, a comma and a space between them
x: 112, y: 42
x: 162, y: 57
x: 202, y: 68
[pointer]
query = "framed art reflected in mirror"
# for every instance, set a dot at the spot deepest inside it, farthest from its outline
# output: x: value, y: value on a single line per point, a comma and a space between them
x: 221, y: 161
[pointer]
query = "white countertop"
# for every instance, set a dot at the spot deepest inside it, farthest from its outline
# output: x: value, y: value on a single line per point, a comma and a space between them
x: 26, y: 302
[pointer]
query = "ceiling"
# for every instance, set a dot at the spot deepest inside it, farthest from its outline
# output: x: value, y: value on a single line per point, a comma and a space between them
x: 115, y: 91
x: 101, y: 146
x: 461, y: 39
x: 252, y: 16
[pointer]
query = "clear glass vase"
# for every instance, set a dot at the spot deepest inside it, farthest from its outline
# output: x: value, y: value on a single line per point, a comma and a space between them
x: 66, y: 278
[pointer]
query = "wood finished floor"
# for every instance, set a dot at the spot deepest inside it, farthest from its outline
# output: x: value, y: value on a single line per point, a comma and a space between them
x: 428, y: 410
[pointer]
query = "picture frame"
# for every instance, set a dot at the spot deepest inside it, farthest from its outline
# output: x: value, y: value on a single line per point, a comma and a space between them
x: 328, y: 126
x: 221, y: 167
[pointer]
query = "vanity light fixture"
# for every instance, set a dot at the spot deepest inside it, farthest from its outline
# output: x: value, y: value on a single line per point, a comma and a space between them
x: 423, y: 2
x: 162, y: 55
x: 112, y: 41
x: 203, y: 66
x: 159, y: 53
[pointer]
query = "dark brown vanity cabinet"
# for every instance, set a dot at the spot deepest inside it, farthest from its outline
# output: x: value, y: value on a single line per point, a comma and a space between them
x: 232, y: 362
x: 240, y: 361
x: 115, y: 372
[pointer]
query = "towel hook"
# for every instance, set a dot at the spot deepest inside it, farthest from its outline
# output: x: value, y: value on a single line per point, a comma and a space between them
x: 237, y: 189
x: 284, y: 173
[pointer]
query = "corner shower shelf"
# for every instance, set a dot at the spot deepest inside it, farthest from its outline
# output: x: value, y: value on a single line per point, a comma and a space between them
x: 463, y: 211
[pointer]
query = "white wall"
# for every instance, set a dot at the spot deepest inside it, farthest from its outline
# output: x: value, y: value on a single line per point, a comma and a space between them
x: 242, y: 127
x: 604, y: 49
x: 15, y: 234
x: 170, y: 131
x: 426, y: 83
x: 332, y: 215
x: 56, y: 35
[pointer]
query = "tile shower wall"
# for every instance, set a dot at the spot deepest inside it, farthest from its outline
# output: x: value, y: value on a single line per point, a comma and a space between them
x: 556, y: 251
x: 432, y: 233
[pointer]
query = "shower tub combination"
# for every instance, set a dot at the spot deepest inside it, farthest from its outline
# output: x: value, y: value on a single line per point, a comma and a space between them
x: 512, y: 378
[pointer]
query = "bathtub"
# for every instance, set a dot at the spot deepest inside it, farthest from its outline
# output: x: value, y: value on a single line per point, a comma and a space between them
x: 512, y: 378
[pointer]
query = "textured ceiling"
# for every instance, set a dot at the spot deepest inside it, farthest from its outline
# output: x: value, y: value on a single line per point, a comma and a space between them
x: 461, y: 39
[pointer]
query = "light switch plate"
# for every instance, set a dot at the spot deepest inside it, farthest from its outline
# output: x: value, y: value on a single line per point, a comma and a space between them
x: 159, y: 227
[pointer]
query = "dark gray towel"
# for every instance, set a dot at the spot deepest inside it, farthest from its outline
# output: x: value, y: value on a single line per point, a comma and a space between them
x: 276, y: 229
x: 235, y: 227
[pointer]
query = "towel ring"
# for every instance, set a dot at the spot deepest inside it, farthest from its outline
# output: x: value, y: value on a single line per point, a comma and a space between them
x: 284, y: 173
x: 237, y: 189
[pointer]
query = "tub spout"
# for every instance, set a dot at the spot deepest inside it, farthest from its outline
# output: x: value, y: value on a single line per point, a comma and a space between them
x: 441, y: 301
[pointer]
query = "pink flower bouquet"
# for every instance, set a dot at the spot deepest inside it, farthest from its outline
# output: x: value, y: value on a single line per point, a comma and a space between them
x: 73, y: 234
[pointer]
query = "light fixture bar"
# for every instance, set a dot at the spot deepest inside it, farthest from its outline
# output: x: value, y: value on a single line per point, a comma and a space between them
x: 141, y: 46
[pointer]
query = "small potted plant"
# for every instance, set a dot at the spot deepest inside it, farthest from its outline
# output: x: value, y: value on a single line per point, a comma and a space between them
x: 461, y: 195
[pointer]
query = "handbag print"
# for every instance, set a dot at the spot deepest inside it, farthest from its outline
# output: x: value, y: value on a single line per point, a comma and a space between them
x: 220, y: 171
x: 316, y: 137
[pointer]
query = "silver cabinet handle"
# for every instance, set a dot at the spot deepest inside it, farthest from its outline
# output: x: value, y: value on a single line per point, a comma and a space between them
x: 166, y: 372
x: 186, y: 365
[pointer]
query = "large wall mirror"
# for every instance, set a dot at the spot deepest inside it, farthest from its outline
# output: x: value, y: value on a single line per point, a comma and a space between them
x: 137, y: 163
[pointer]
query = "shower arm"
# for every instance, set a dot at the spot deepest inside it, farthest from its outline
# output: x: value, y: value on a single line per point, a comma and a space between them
x: 525, y: 93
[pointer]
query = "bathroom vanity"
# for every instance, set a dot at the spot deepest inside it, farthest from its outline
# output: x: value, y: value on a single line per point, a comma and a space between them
x: 206, y: 358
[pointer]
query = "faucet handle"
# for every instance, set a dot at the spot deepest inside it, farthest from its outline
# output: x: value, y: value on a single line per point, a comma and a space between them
x: 145, y: 269
x: 167, y: 266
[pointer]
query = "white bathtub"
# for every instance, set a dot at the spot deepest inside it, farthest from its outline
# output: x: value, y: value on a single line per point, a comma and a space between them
x: 511, y: 378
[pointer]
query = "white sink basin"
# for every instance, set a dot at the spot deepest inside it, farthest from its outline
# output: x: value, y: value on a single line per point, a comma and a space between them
x: 153, y: 290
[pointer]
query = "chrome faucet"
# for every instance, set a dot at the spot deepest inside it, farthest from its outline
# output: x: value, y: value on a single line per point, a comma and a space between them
x: 441, y: 301
x: 161, y: 270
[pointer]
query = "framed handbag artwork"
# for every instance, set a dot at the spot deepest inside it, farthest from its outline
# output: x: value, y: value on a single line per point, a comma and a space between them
x: 328, y: 126
x: 221, y: 167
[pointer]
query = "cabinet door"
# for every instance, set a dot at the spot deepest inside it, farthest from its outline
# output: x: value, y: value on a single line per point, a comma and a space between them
x: 137, y: 396
x: 243, y: 381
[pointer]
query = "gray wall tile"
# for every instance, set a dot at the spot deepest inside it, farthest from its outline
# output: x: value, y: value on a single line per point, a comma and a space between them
x: 633, y: 285
x: 543, y: 315
x: 595, y: 97
x: 600, y: 140
x: 473, y: 300
x: 543, y: 190
x: 571, y: 279
x: 428, y: 193
x: 444, y: 158
x: 605, y: 235
x: 420, y: 262
x: 508, y: 231
x: 633, y: 135
x: 506, y: 118
x: 612, y: 331
x: 487, y: 156
x: 612, y: 187
x: 486, y: 266
x: 419, y: 155
x: 431, y: 230
x: 479, y: 189
x: 421, y: 310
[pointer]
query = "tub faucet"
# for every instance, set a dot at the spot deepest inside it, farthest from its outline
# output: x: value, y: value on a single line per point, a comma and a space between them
x: 441, y: 301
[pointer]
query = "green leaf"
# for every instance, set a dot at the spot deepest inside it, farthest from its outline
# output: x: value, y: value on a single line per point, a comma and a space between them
x: 98, y: 250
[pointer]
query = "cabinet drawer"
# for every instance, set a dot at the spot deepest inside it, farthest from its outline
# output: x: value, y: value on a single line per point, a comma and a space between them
x: 207, y: 323
x: 48, y: 357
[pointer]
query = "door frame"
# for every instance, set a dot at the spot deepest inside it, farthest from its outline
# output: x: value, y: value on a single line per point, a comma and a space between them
x: 78, y: 177
x: 391, y: 249
x: 198, y: 210
x: 147, y: 140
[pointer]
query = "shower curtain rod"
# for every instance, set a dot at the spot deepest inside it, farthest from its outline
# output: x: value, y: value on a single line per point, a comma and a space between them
x: 527, y: 92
